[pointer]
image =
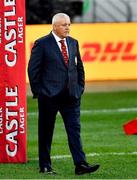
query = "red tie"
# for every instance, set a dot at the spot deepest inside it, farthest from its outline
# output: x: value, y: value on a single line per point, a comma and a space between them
x: 64, y: 51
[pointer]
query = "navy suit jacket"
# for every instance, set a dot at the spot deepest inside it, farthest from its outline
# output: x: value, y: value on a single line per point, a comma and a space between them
x: 48, y: 73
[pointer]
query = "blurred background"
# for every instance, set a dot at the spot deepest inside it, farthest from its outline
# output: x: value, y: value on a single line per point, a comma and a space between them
x: 83, y: 11
x: 107, y: 34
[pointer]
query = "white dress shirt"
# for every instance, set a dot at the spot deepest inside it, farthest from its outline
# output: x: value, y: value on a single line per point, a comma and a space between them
x: 59, y: 44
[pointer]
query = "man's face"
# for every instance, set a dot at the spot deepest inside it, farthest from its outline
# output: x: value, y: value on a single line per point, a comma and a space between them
x: 62, y: 27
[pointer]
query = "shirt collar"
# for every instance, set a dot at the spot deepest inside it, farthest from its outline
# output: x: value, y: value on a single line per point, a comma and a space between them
x: 57, y: 38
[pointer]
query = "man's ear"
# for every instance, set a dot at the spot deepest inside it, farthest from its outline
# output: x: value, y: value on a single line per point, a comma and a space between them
x: 54, y: 27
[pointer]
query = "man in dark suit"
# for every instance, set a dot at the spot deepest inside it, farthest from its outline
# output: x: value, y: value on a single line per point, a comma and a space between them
x: 56, y: 77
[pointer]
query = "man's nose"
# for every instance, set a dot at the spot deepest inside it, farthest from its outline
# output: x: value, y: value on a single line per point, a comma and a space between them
x: 67, y: 27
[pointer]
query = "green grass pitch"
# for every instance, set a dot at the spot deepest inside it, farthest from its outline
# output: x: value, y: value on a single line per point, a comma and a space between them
x: 103, y: 138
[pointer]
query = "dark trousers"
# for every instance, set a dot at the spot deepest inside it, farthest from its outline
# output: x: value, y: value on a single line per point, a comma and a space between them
x: 69, y: 109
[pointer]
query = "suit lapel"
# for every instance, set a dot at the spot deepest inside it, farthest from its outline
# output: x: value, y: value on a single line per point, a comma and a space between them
x: 70, y: 49
x: 56, y: 49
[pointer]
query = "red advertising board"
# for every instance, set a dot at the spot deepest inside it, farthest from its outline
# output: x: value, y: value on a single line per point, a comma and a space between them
x: 12, y: 82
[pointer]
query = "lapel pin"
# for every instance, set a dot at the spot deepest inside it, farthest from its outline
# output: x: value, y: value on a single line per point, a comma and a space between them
x: 75, y: 60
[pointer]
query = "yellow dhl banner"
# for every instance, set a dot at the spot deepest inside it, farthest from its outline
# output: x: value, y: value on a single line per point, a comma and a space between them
x: 108, y: 50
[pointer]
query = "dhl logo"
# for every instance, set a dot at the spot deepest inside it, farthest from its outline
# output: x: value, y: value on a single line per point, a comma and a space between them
x: 110, y: 52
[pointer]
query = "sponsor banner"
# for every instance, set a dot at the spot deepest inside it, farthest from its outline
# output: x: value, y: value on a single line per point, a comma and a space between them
x: 12, y: 82
x: 108, y: 50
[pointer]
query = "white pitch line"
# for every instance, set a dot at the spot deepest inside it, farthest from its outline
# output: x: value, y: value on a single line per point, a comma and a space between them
x: 93, y: 154
x: 97, y: 111
x: 97, y: 154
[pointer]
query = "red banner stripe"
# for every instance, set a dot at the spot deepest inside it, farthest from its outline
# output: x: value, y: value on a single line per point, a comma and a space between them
x: 12, y: 82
